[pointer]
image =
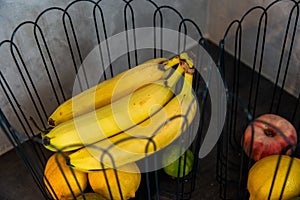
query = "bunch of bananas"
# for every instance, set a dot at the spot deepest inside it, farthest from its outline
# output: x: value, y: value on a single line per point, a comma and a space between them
x: 127, y: 117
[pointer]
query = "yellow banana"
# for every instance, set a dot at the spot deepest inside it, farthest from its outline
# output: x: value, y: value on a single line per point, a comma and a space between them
x: 148, y: 137
x: 102, y: 94
x: 155, y: 60
x: 113, y: 118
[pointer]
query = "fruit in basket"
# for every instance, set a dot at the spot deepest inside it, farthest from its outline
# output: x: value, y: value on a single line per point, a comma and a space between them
x: 272, y: 134
x: 90, y: 196
x: 102, y: 94
x: 177, y: 160
x: 61, y: 180
x: 148, y: 137
x: 112, y: 118
x: 263, y: 172
x: 126, y: 178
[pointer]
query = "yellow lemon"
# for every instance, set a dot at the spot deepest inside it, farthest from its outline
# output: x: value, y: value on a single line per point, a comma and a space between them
x: 262, y: 173
x: 128, y: 177
x: 55, y: 172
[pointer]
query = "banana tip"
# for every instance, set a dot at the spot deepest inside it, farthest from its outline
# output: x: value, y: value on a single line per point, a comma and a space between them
x: 51, y: 122
x: 46, y: 141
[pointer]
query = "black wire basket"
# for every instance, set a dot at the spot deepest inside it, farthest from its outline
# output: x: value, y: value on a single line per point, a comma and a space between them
x: 44, y: 56
x: 261, y: 65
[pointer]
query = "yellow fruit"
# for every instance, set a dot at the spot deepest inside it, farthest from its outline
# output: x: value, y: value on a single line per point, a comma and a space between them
x: 112, y: 118
x: 171, y: 163
x: 132, y: 144
x: 261, y: 176
x: 128, y: 177
x: 156, y: 60
x: 54, y: 173
x: 102, y: 94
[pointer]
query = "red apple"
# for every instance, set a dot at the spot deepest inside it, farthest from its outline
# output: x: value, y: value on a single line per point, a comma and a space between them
x: 271, y: 134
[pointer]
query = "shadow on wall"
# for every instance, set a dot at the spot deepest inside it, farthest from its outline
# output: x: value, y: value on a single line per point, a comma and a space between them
x: 276, y: 49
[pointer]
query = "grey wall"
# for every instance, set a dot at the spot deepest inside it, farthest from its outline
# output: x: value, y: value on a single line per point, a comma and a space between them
x: 212, y: 16
x: 12, y: 13
x: 221, y: 13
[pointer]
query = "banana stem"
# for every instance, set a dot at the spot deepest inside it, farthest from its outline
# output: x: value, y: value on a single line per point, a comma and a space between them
x: 171, y: 63
x: 187, y: 59
x: 171, y: 81
x: 188, y: 81
x: 187, y: 68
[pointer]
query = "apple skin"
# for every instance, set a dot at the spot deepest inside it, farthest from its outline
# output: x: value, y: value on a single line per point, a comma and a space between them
x: 267, y: 139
